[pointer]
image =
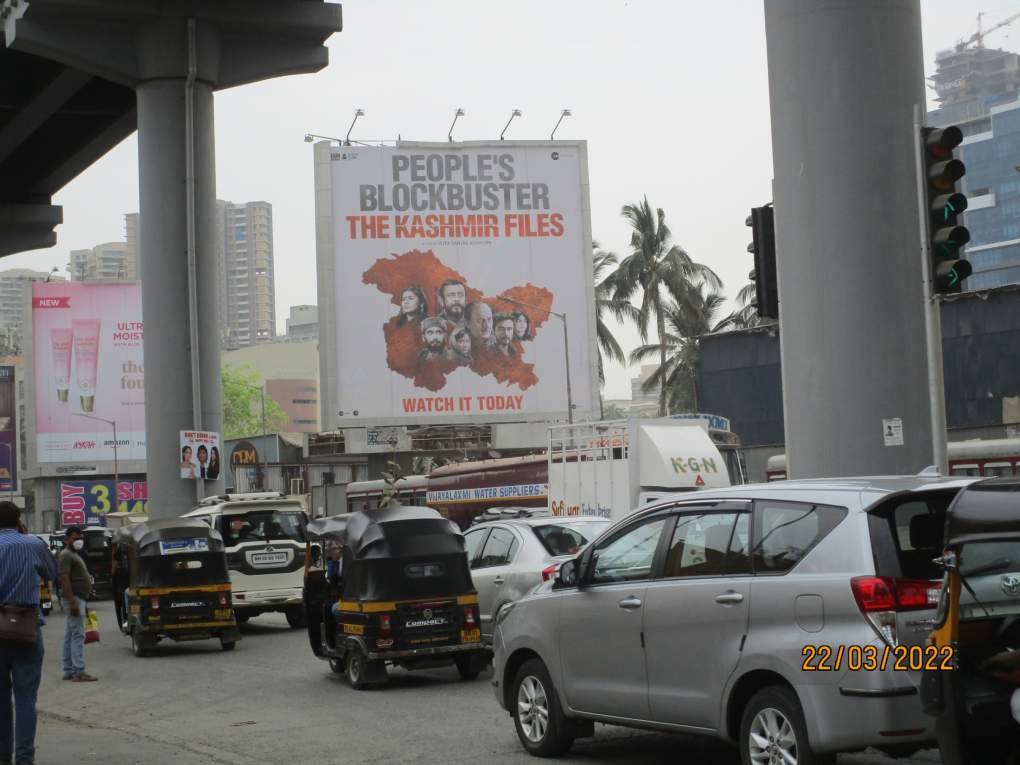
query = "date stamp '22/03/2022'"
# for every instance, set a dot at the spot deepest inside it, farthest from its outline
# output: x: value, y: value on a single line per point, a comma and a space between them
x: 855, y: 658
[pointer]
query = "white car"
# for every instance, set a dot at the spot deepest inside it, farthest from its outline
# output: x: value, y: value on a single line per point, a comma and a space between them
x: 510, y: 557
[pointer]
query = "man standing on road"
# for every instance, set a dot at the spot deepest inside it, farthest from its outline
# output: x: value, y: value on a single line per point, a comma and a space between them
x: 76, y: 583
x: 24, y: 560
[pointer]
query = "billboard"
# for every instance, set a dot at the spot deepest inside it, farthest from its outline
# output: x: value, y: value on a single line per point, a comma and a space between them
x: 200, y: 455
x: 86, y: 503
x: 8, y: 439
x: 88, y: 370
x: 451, y: 269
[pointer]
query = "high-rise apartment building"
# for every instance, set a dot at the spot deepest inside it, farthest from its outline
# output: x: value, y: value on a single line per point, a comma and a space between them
x: 15, y: 285
x: 248, y: 310
x: 109, y: 262
x: 302, y: 324
x: 978, y: 89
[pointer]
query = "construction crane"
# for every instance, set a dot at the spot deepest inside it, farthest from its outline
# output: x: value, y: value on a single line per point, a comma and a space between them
x: 978, y: 38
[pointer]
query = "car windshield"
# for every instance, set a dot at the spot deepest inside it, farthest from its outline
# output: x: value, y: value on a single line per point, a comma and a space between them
x: 567, y: 539
x: 263, y: 526
x: 992, y: 569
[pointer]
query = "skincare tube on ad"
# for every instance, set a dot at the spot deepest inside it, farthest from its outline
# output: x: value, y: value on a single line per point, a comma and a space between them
x: 60, y: 345
x: 86, y: 360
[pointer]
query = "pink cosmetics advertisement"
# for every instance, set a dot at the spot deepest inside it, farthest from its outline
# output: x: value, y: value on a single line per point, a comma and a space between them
x: 87, y: 352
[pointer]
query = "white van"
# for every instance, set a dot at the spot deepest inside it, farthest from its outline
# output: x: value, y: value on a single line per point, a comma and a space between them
x: 264, y: 539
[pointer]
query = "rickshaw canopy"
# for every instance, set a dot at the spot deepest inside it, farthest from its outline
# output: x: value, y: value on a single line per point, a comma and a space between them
x: 396, y: 532
x: 332, y: 526
x: 985, y: 511
x: 172, y: 552
x: 402, y: 553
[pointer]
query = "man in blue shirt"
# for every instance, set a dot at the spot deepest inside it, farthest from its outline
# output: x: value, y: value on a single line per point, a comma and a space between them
x: 24, y: 561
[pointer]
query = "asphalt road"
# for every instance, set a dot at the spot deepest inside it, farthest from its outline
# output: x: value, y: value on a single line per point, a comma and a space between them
x: 271, y: 701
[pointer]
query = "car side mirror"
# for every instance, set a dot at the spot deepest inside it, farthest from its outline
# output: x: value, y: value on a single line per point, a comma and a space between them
x: 566, y: 576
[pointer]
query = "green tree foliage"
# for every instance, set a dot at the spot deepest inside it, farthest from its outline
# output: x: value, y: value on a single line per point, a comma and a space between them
x: 658, y: 272
x: 242, y: 404
x: 606, y: 305
x: 679, y: 344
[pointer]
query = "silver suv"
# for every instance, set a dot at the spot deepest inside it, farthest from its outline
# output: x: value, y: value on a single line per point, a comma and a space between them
x: 778, y: 616
x: 509, y: 558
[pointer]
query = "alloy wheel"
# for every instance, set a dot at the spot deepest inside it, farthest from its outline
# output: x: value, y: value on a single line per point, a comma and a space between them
x: 772, y: 740
x: 533, y: 709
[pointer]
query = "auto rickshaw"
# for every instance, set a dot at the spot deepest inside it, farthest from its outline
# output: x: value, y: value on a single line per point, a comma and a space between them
x: 174, y: 583
x: 405, y: 596
x: 971, y: 681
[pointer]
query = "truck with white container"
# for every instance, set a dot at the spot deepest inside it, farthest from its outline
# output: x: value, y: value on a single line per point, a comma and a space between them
x: 594, y: 468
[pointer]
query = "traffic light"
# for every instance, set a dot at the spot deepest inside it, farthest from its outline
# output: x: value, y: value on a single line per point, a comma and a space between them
x: 946, y: 237
x: 763, y: 247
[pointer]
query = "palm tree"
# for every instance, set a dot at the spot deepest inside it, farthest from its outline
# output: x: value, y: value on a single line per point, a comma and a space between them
x: 746, y: 315
x: 657, y: 270
x: 685, y: 323
x: 603, y: 263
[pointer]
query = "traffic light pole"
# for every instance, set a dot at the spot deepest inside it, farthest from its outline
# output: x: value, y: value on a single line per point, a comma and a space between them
x: 932, y: 316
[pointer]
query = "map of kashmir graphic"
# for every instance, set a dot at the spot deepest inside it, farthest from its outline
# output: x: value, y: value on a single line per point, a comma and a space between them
x: 403, y: 342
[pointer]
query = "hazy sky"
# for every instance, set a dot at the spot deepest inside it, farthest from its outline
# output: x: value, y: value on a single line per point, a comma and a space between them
x: 672, y: 97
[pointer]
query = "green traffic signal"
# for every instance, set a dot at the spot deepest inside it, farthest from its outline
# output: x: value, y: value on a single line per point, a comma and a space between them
x: 946, y: 237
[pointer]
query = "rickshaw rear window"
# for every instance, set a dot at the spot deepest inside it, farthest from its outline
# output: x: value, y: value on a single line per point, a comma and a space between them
x: 423, y: 570
x: 262, y: 526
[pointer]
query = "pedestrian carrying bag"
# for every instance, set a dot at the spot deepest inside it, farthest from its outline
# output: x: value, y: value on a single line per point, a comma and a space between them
x: 19, y: 623
x: 91, y: 627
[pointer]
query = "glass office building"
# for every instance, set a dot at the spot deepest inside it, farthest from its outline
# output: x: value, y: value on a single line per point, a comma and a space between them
x: 979, y: 90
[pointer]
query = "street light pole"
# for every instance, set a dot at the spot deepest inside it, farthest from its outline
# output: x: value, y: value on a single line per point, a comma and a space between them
x: 262, y: 394
x: 566, y: 348
x: 116, y: 463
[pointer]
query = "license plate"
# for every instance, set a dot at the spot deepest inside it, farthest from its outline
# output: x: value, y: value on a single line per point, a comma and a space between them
x: 471, y: 636
x: 268, y: 558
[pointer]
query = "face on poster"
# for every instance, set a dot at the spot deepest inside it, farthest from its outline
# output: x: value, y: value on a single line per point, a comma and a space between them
x: 87, y: 358
x: 200, y: 455
x: 450, y: 265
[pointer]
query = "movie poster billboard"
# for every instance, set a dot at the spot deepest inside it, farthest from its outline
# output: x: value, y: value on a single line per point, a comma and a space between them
x: 87, y: 503
x: 89, y: 371
x: 8, y: 439
x: 452, y: 267
x: 200, y: 455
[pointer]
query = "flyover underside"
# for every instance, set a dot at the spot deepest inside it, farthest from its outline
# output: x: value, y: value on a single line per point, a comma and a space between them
x: 84, y: 61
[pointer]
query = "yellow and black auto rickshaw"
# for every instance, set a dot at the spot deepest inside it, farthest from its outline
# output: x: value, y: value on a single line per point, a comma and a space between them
x: 405, y: 596
x: 973, y: 690
x: 175, y: 584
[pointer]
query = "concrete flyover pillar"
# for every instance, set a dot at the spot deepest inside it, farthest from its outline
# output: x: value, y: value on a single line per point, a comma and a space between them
x: 175, y: 54
x: 844, y: 76
x: 167, y: 310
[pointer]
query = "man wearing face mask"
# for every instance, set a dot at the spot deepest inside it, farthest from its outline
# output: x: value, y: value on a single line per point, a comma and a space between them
x: 76, y: 583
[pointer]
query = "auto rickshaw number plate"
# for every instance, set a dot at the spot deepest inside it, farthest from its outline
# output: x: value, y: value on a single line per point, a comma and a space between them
x: 354, y: 629
x: 470, y: 636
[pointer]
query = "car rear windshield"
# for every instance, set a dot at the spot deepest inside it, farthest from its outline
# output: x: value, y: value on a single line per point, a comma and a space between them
x: 263, y: 526
x: 907, y: 534
x: 567, y: 539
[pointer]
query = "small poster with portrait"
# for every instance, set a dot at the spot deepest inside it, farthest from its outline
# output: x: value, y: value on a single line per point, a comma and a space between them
x: 199, y: 455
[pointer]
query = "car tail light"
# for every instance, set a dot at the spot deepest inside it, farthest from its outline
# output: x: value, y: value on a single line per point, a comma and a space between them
x: 469, y: 618
x: 880, y: 598
x: 550, y: 571
x: 224, y: 599
x: 154, y: 604
x: 385, y: 623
